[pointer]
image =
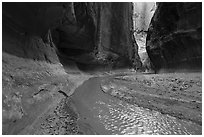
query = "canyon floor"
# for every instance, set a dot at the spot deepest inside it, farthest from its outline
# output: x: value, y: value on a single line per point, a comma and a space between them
x: 42, y: 98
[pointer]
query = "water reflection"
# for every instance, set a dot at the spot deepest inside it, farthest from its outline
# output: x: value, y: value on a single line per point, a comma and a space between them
x: 123, y: 118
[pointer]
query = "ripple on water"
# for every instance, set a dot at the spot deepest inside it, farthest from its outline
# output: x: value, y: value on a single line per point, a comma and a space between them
x: 123, y: 118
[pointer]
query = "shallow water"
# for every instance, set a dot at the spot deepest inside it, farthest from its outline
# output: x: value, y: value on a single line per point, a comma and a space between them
x: 105, y: 114
x: 123, y: 118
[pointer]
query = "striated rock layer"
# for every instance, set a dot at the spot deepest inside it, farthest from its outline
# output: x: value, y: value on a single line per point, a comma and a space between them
x: 174, y: 39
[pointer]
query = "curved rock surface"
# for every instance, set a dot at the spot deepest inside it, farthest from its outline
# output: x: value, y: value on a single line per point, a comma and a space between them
x: 174, y: 37
x: 73, y: 28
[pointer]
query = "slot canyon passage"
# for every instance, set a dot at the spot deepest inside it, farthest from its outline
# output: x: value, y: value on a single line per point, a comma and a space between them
x: 101, y: 68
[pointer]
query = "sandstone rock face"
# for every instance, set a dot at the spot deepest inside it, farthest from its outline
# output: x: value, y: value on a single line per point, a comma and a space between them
x: 104, y: 27
x: 25, y: 30
x: 174, y: 37
x: 73, y: 28
x: 116, y: 24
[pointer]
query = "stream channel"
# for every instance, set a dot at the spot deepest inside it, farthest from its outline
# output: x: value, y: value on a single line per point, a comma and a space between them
x: 100, y: 113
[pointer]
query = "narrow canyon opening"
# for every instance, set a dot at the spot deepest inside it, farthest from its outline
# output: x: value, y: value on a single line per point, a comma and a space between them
x: 142, y: 15
x: 101, y: 68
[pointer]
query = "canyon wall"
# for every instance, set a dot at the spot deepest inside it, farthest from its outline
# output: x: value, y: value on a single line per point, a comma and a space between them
x: 38, y: 30
x: 174, y: 39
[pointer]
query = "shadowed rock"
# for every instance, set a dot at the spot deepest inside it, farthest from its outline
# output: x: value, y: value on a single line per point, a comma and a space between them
x: 174, y: 37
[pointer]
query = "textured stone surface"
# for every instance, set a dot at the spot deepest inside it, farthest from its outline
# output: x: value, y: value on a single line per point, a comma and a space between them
x: 174, y: 37
x: 25, y: 31
x: 74, y: 28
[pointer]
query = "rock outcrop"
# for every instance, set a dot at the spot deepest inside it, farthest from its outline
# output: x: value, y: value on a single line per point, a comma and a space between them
x: 105, y: 28
x: 174, y: 39
x: 72, y: 28
x: 26, y: 31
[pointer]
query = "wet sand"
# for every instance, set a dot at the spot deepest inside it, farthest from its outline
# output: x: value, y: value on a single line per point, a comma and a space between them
x: 113, y: 105
x: 114, y: 102
x: 176, y: 94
